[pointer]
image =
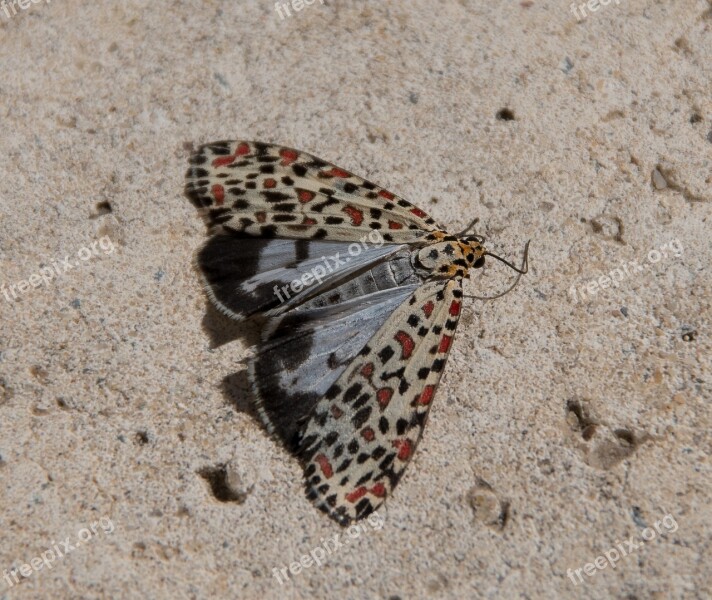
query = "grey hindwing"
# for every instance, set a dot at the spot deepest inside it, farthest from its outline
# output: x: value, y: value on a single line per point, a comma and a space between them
x: 304, y: 351
x: 245, y: 275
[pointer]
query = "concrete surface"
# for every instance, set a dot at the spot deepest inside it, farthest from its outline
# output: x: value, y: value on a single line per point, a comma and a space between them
x: 574, y: 414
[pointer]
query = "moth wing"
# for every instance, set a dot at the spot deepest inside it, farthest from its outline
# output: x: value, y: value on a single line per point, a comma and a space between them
x: 244, y: 275
x: 362, y: 433
x: 306, y: 350
x: 267, y: 190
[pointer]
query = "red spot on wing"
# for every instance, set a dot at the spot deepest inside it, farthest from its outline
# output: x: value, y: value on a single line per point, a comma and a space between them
x: 379, y: 490
x: 445, y: 343
x: 305, y: 196
x: 288, y: 156
x: 355, y: 214
x: 394, y: 225
x: 357, y: 494
x: 368, y: 434
x: 384, y: 396
x: 222, y: 161
x: 269, y: 183
x: 405, y: 448
x: 418, y: 213
x: 406, y: 342
x: 335, y: 172
x: 336, y: 412
x: 325, y: 465
x: 454, y: 308
x: 426, y: 395
x: 241, y: 150
x: 428, y: 308
x: 261, y: 216
x: 306, y: 221
x: 218, y: 193
x: 386, y: 194
x: 367, y: 370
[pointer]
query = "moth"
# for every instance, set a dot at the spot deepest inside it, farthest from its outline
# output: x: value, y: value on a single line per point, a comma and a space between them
x: 358, y: 292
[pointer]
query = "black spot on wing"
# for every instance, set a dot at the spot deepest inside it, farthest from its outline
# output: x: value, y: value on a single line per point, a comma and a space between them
x: 227, y: 261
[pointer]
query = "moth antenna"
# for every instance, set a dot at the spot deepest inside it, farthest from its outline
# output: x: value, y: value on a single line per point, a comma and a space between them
x: 520, y: 271
x: 470, y: 226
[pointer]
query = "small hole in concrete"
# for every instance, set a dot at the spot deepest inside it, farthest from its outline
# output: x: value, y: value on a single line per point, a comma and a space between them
x: 689, y: 336
x: 625, y: 436
x: 505, y: 114
x: 217, y: 479
x: 103, y: 208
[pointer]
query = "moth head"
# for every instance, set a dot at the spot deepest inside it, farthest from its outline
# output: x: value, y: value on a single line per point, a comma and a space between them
x: 474, y: 251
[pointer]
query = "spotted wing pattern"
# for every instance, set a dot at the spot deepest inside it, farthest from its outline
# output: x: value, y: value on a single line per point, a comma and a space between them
x: 303, y: 353
x: 272, y: 191
x: 364, y: 430
x: 347, y: 366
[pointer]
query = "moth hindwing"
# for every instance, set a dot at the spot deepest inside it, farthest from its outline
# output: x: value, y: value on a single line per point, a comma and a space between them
x: 359, y: 292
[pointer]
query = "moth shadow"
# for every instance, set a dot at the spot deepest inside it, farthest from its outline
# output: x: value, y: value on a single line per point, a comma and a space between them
x: 236, y: 390
x: 235, y: 387
x: 222, y: 329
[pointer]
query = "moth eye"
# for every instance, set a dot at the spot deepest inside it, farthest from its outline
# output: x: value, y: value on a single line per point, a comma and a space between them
x: 479, y: 263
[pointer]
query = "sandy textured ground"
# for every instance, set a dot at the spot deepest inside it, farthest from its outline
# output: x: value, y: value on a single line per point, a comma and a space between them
x: 565, y: 427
